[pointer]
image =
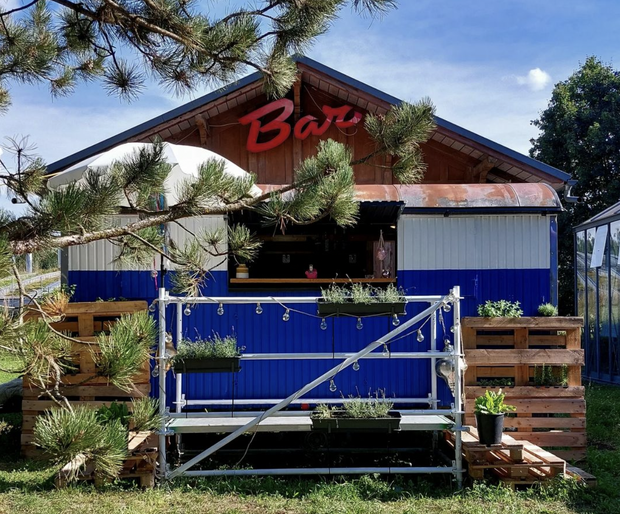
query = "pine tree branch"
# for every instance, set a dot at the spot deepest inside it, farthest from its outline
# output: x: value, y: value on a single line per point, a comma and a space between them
x: 18, y: 9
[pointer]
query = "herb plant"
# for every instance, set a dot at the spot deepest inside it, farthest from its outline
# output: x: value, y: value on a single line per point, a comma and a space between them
x: 357, y: 407
x: 492, y: 403
x: 550, y: 376
x: 209, y: 348
x: 547, y: 309
x: 500, y: 309
x: 362, y: 294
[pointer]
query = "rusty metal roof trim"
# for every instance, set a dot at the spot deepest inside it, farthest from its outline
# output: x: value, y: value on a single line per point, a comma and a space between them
x: 448, y: 197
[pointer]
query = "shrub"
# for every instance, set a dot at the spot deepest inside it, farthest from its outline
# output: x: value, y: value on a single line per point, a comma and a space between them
x: 500, y: 309
x: 492, y: 403
x: 547, y: 309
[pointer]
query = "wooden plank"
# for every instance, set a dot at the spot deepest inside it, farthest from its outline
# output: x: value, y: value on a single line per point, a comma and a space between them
x: 472, y: 392
x: 551, y: 340
x: 557, y: 423
x: 552, y: 438
x: 486, y: 340
x: 314, y: 281
x: 539, y: 323
x: 581, y: 475
x: 544, y: 405
x: 138, y: 391
x: 88, y: 379
x: 572, y: 455
x: 105, y: 308
x: 516, y: 357
x: 42, y: 405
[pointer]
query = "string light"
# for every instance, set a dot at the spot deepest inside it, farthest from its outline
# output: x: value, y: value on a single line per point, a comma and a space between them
x: 395, y: 320
x: 447, y: 307
x: 220, y: 310
x: 155, y: 372
x: 152, y: 307
x: 259, y: 309
x: 323, y: 324
x: 386, y: 351
x: 420, y: 337
x: 453, y: 328
x: 154, y: 273
x: 187, y: 310
x: 287, y: 315
x: 359, y: 325
x: 356, y: 366
x: 332, y: 386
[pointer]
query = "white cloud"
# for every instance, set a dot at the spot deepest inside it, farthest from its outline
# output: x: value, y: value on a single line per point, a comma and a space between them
x: 536, y: 79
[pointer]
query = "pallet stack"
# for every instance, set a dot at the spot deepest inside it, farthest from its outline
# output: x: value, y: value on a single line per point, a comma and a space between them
x: 82, y: 321
x: 502, y: 349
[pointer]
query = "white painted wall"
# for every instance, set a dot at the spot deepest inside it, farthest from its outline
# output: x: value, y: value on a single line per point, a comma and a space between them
x: 517, y: 241
x: 100, y: 255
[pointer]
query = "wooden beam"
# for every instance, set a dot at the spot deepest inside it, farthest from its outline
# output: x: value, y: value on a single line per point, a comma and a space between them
x: 519, y: 357
x: 538, y: 323
x: 203, y: 130
x: 482, y: 168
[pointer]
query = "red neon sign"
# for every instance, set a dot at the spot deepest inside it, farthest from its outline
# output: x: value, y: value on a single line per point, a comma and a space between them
x: 303, y: 128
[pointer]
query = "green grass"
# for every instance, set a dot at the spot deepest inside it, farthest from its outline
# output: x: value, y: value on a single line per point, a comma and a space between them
x: 27, y: 487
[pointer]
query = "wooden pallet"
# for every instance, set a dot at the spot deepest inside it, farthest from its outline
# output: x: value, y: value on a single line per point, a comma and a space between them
x: 140, y: 464
x: 84, y: 387
x: 513, y: 462
x: 510, y: 348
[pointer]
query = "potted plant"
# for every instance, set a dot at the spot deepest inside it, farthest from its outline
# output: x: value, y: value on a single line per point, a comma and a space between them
x: 489, y: 410
x: 242, y: 270
x: 212, y: 355
x: 548, y: 310
x: 374, y: 414
x: 361, y: 300
x: 500, y: 309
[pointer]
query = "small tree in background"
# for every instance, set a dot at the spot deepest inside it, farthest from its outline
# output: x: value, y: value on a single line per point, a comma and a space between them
x: 580, y: 134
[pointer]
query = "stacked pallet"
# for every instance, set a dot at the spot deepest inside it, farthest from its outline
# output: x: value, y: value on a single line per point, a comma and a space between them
x: 510, y: 349
x: 82, y: 321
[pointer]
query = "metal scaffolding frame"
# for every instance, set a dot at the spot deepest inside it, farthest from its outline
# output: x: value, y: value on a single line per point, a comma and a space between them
x: 455, y: 356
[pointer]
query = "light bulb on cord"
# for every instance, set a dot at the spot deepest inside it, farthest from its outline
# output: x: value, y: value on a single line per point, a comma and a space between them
x: 187, y: 310
x: 447, y: 307
x: 220, y: 310
x: 259, y: 309
x: 152, y: 307
x: 323, y: 324
x: 395, y: 320
x: 356, y: 366
x: 154, y: 273
x: 359, y: 324
x: 420, y: 337
x: 332, y: 386
x: 287, y: 315
x: 386, y: 351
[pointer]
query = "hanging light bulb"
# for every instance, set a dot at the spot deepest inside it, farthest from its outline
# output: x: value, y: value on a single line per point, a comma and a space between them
x: 359, y: 325
x: 155, y: 372
x: 420, y: 337
x: 168, y: 337
x: 154, y: 273
x: 332, y: 386
x: 447, y: 307
x: 453, y: 328
x: 386, y: 351
x: 447, y: 344
x: 152, y: 307
x: 220, y: 310
x: 259, y: 309
x: 395, y: 320
x: 287, y: 315
x: 187, y: 310
x: 356, y: 366
x: 323, y: 324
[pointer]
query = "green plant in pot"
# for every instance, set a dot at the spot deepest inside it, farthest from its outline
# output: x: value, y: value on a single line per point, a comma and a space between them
x: 358, y: 299
x: 214, y: 354
x: 357, y: 414
x: 489, y: 410
x: 500, y: 309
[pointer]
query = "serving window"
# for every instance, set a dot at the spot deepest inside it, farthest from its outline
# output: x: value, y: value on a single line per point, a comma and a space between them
x: 311, y: 256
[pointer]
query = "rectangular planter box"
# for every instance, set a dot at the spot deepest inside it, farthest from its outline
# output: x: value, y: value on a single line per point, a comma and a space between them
x: 220, y: 365
x: 342, y: 424
x: 360, y: 309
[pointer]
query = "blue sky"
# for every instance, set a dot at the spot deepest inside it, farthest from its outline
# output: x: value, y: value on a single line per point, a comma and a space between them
x: 488, y: 66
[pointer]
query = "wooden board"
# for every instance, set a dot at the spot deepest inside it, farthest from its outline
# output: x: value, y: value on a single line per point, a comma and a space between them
x: 538, y: 323
x: 472, y: 392
x: 525, y: 356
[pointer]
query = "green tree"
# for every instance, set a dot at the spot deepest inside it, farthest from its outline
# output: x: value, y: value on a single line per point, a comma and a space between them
x: 580, y: 134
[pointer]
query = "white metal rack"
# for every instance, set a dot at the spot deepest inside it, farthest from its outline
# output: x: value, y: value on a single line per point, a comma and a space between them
x: 274, y: 420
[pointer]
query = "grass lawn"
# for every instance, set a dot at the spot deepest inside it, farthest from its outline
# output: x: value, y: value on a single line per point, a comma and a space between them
x: 27, y: 487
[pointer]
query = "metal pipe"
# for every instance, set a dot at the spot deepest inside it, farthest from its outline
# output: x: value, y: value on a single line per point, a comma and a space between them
x: 276, y: 299
x: 331, y: 356
x: 458, y: 393
x: 245, y: 414
x: 261, y: 401
x: 161, y: 363
x: 308, y: 387
x: 179, y: 376
x: 434, y: 376
x: 317, y: 471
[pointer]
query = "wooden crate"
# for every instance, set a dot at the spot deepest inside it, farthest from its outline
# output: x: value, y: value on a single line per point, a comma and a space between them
x: 83, y: 387
x: 511, y: 348
x: 513, y: 462
x: 141, y: 463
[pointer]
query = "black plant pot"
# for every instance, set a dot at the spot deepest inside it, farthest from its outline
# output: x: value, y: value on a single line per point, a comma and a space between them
x: 490, y: 428
x: 219, y: 365
x: 339, y: 423
x: 360, y: 309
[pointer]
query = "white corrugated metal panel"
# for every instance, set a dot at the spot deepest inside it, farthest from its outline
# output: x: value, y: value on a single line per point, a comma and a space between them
x: 473, y: 242
x: 100, y: 255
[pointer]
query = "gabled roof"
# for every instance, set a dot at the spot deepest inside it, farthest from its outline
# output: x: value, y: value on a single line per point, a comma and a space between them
x: 512, y: 165
x: 608, y: 215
